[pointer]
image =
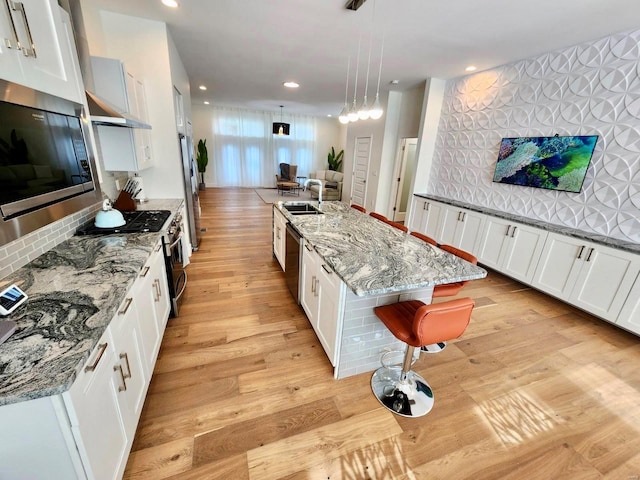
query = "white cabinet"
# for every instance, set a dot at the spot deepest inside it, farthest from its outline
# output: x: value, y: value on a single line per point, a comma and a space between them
x: 123, y: 149
x: 629, y: 317
x: 511, y: 248
x: 460, y: 228
x: 152, y: 307
x: 590, y: 276
x: 279, y: 236
x: 425, y: 216
x: 323, y: 297
x: 34, y: 50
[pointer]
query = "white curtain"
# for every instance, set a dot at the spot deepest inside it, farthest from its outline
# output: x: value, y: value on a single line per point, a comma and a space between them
x: 245, y: 152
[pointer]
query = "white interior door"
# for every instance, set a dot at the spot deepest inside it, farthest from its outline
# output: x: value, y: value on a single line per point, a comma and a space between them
x: 360, y: 170
x: 404, y: 172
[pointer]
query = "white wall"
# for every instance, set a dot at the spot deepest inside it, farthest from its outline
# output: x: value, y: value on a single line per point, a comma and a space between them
x: 592, y: 88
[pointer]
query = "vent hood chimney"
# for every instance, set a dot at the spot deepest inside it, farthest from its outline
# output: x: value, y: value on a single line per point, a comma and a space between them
x: 103, y: 113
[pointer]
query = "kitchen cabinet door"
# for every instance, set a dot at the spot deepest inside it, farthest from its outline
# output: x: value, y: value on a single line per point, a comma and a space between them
x: 309, y: 277
x: 521, y: 252
x: 330, y: 291
x: 279, y: 237
x: 10, y: 61
x: 468, y: 231
x: 94, y: 413
x: 48, y: 67
x: 425, y: 216
x: 604, y: 281
x: 559, y: 265
x: 449, y: 220
x: 492, y: 242
x: 629, y: 316
x: 162, y: 306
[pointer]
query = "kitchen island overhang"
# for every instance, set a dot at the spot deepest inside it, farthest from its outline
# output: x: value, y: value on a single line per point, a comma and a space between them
x: 378, y: 265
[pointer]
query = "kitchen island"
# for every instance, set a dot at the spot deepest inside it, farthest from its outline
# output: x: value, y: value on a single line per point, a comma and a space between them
x: 376, y: 264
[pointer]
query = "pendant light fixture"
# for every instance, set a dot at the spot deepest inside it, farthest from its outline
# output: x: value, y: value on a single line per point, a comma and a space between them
x: 353, y: 111
x: 280, y: 128
x: 344, y: 114
x: 363, y: 112
x: 375, y: 112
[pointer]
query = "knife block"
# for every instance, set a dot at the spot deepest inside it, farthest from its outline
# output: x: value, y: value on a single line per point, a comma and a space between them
x: 125, y: 203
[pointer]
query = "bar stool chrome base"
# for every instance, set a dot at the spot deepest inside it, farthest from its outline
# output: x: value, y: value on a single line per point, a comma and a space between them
x: 411, y: 397
x: 434, y: 347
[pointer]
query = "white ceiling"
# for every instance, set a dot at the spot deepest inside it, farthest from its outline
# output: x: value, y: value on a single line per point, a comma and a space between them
x: 243, y: 50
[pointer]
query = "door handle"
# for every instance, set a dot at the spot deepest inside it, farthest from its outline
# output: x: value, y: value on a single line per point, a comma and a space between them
x: 123, y: 388
x: 126, y: 306
x: 580, y: 252
x: 15, y: 43
x: 508, y: 228
x: 326, y: 269
x: 513, y: 232
x: 19, y: 7
x: 91, y: 368
x: 317, y: 282
x: 145, y: 271
x: 126, y: 360
x: 589, y: 255
x: 313, y: 285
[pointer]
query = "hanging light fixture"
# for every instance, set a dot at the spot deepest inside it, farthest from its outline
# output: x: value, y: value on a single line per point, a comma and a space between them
x: 280, y: 128
x: 375, y: 112
x: 353, y: 111
x: 344, y: 114
x: 363, y: 112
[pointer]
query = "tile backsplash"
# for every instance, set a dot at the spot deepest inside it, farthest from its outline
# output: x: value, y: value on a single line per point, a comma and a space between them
x: 20, y: 252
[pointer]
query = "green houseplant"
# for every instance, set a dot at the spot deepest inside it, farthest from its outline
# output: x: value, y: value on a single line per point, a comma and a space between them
x: 335, y: 161
x: 202, y: 159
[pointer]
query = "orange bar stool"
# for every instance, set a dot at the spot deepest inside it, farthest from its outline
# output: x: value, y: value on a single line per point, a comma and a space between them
x: 399, y: 226
x: 449, y: 290
x: 358, y: 207
x: 424, y: 238
x: 378, y: 216
x: 401, y: 390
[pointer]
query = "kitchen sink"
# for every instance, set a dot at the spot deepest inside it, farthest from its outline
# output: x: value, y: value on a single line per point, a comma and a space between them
x: 302, y: 209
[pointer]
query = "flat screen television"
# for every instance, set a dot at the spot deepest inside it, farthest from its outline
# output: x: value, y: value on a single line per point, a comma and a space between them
x: 555, y: 163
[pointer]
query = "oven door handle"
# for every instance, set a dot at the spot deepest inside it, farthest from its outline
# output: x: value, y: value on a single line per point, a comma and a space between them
x: 182, y: 278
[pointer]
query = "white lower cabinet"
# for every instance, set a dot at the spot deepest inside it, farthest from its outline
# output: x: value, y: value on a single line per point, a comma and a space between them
x: 511, y: 248
x: 87, y: 431
x: 590, y: 276
x: 279, y: 236
x: 425, y: 216
x: 629, y: 317
x: 323, y: 297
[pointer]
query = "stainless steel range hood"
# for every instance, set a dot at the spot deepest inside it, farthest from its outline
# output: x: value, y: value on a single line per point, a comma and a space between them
x: 103, y: 113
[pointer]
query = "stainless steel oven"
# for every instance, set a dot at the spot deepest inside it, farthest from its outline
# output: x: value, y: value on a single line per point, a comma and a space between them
x: 174, y: 261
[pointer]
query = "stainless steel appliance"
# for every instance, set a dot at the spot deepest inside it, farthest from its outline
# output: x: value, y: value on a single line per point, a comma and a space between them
x: 191, y: 194
x: 174, y: 260
x: 293, y: 260
x: 46, y: 165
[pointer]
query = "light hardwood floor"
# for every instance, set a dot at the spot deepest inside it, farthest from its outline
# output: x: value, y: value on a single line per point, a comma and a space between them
x: 242, y: 389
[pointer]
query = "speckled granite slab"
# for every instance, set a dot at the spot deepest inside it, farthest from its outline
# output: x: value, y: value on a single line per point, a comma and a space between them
x: 550, y: 227
x: 74, y: 291
x: 373, y: 258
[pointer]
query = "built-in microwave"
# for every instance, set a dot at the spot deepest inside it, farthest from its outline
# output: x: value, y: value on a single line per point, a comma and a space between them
x: 46, y: 167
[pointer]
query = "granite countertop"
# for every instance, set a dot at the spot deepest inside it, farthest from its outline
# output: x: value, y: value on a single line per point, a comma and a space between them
x: 373, y: 258
x: 550, y: 227
x: 74, y: 291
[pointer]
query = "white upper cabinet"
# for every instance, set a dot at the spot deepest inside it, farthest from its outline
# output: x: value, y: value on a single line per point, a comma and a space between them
x: 35, y: 50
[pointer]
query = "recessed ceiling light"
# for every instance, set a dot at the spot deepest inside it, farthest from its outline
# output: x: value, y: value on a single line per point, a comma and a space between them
x: 291, y: 84
x: 394, y: 82
x: 170, y: 3
x: 329, y: 115
x: 202, y: 87
x: 206, y: 103
x: 471, y: 68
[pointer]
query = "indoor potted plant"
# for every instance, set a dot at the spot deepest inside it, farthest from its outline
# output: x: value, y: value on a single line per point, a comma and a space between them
x: 202, y: 159
x: 335, y: 161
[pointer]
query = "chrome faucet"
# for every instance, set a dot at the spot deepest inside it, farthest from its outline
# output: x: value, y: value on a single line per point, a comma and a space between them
x: 315, y: 180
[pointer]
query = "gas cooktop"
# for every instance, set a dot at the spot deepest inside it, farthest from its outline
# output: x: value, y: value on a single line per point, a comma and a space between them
x: 139, y: 221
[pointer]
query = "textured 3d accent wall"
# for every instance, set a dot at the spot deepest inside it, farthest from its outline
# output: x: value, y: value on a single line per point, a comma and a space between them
x: 592, y: 88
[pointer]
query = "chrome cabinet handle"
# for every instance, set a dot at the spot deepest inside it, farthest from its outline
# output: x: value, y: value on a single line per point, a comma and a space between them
x: 508, y: 228
x: 145, y: 270
x: 127, y: 304
x: 317, y: 283
x: 327, y: 269
x: 15, y: 43
x: 126, y: 360
x: 103, y: 348
x: 313, y: 284
x: 123, y: 388
x: 589, y: 255
x: 19, y: 7
x: 157, y: 282
x: 580, y: 252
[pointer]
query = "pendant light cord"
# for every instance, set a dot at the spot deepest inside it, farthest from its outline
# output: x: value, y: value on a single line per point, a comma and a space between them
x: 373, y: 16
x: 380, y: 69
x: 346, y: 87
x: 355, y: 85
